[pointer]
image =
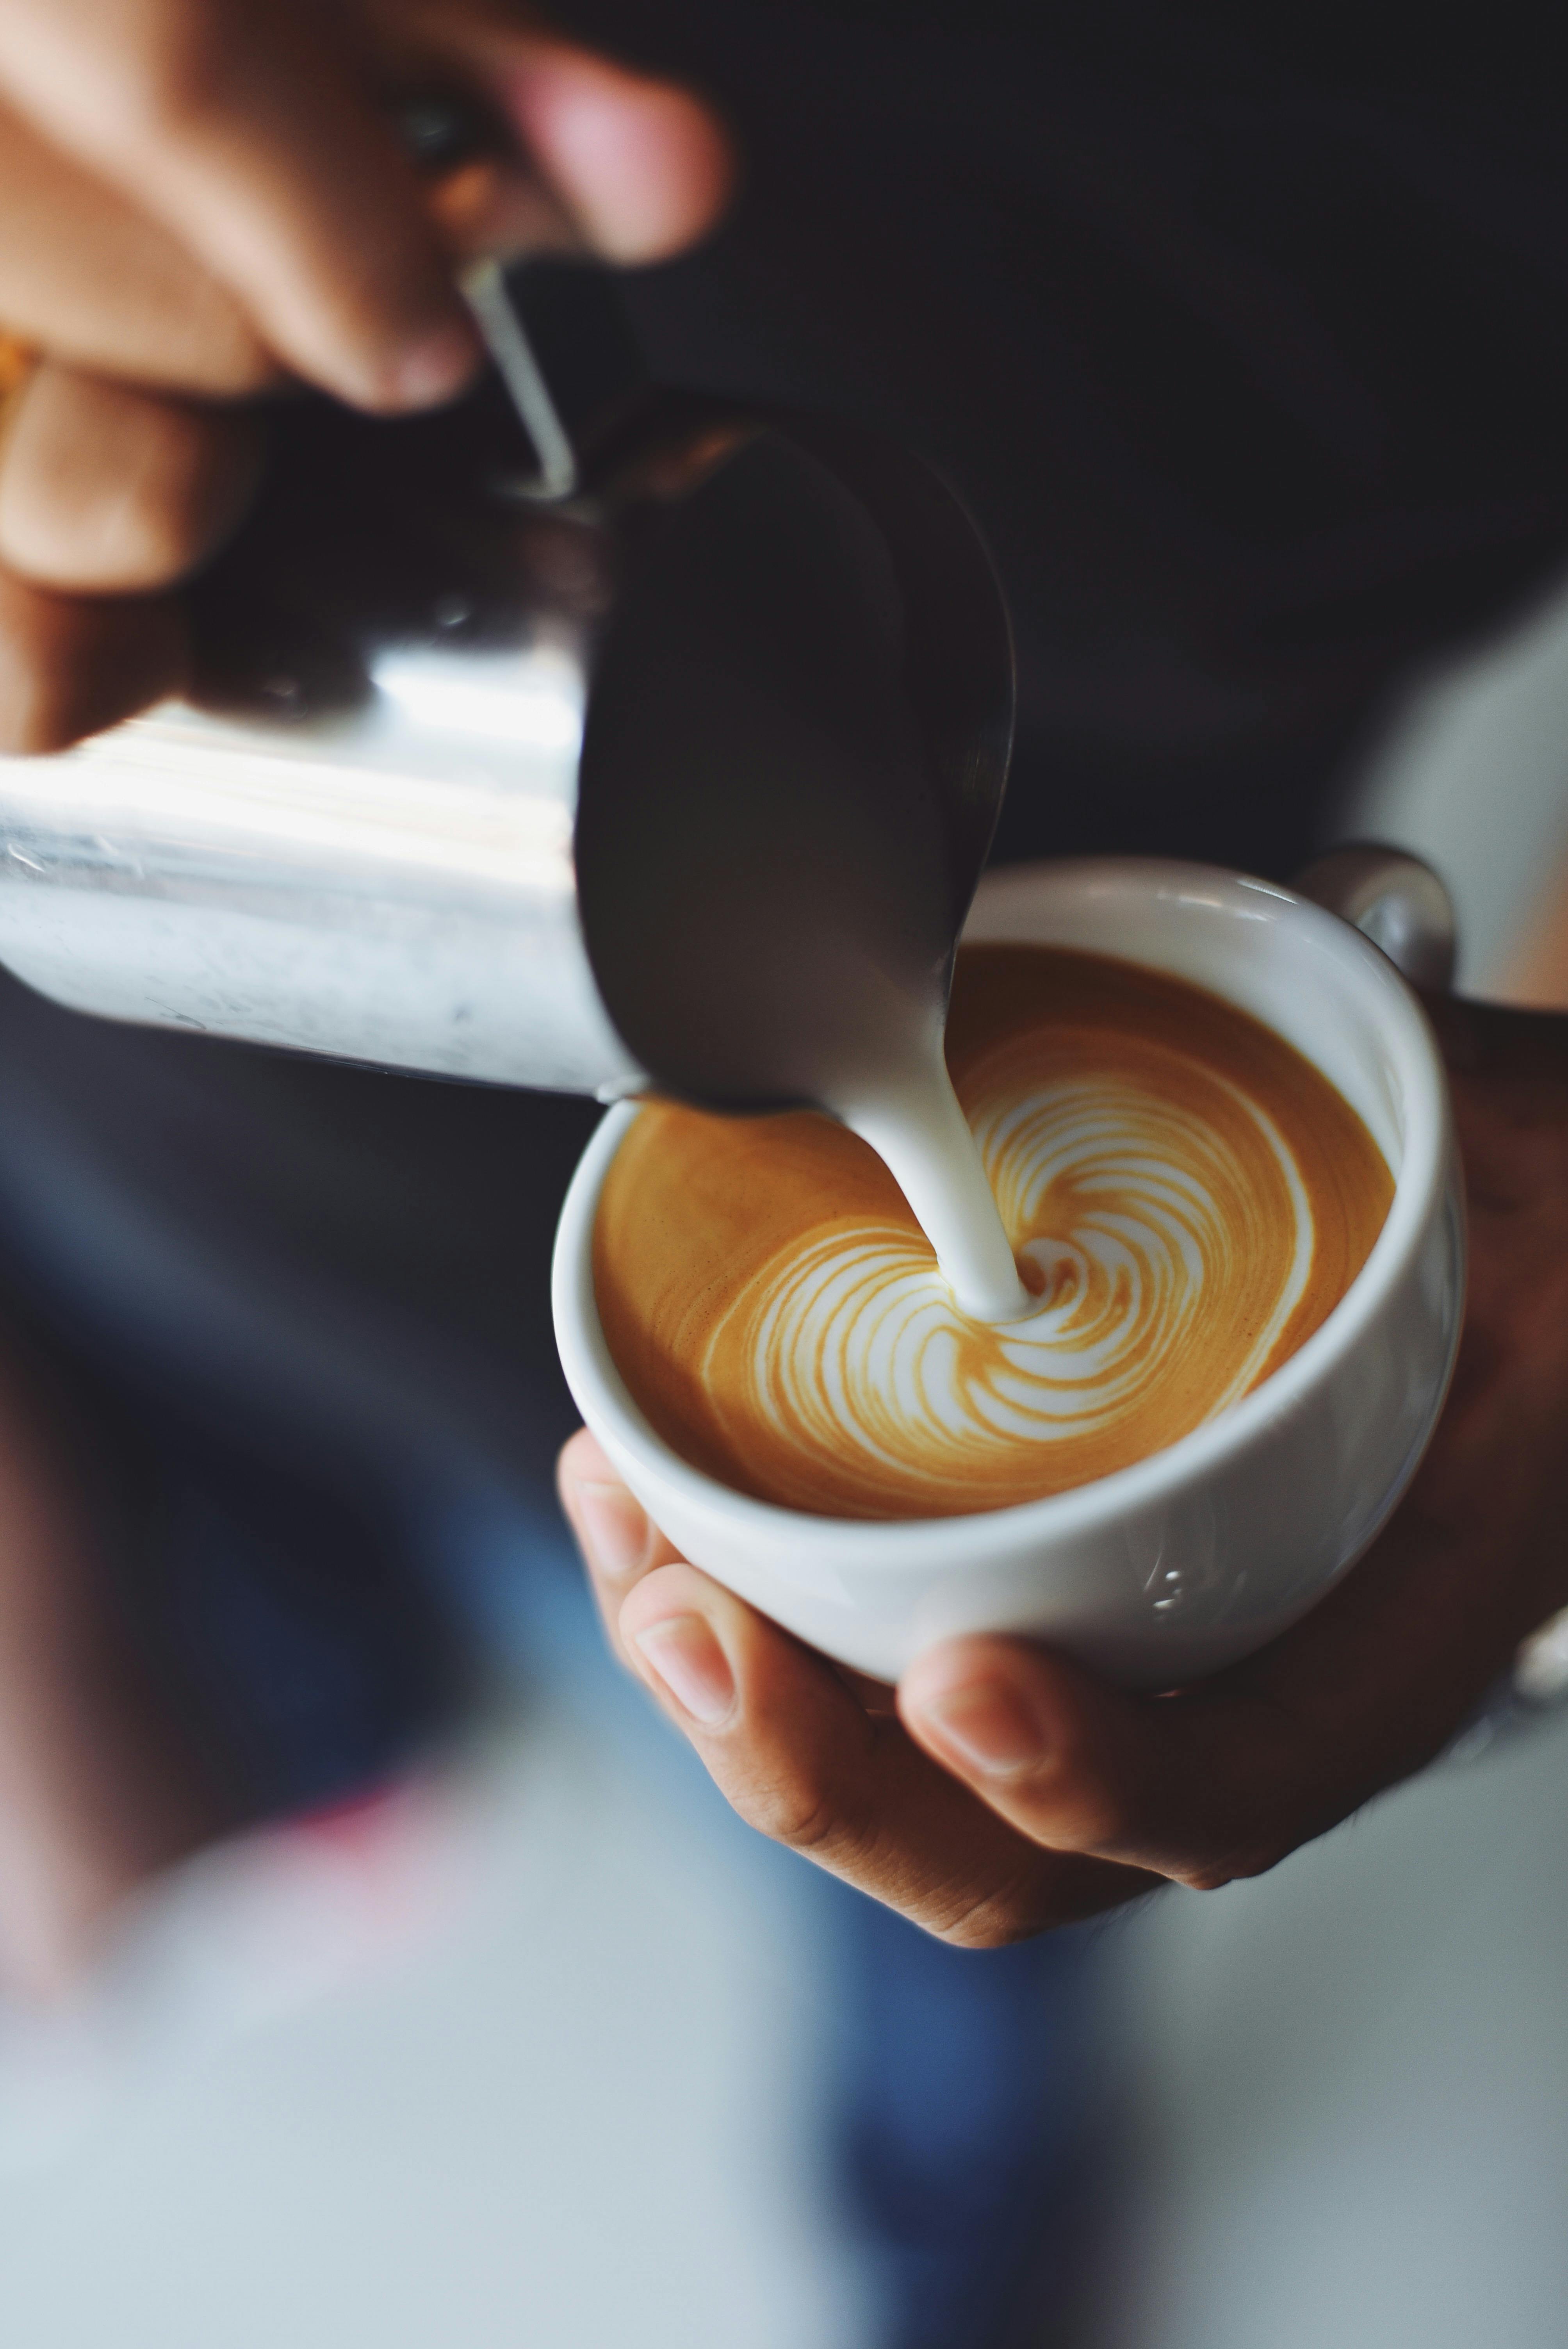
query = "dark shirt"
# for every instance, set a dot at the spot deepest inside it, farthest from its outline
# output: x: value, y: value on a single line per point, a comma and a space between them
x: 1243, y: 331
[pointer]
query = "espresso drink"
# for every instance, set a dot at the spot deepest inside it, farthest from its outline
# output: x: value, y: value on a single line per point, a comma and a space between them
x: 1186, y: 1196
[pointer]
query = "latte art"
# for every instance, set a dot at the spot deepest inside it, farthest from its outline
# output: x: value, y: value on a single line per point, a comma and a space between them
x: 1186, y: 1198
x: 1154, y: 1268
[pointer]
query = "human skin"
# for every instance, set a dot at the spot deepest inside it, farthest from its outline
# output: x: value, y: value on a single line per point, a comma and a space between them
x: 1001, y: 1789
x: 204, y: 200
x: 203, y: 204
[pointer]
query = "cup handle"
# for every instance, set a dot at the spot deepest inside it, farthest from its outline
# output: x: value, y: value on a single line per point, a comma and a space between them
x: 1395, y: 900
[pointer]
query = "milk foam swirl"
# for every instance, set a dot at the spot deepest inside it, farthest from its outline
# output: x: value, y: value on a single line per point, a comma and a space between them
x: 1147, y: 1225
x: 1186, y: 1197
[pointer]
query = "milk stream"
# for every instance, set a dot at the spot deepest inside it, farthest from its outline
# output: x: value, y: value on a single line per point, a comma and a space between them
x: 910, y: 1117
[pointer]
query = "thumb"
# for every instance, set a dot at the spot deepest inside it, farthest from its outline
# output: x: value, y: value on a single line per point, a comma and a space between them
x: 1194, y: 1788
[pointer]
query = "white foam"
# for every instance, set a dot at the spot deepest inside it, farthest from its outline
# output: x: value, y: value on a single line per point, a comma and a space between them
x: 863, y: 1346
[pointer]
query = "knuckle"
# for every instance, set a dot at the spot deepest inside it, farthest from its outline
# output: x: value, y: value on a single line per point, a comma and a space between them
x: 792, y: 1808
x: 992, y: 1919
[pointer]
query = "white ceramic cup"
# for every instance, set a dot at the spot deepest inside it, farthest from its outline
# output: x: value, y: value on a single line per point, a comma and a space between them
x: 1193, y: 1557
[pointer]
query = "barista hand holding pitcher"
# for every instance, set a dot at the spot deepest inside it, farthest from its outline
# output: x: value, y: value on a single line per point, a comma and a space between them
x: 265, y: 226
x: 213, y: 200
x: 201, y: 204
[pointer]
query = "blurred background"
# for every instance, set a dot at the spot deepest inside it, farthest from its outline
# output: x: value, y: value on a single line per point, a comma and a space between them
x: 531, y: 2041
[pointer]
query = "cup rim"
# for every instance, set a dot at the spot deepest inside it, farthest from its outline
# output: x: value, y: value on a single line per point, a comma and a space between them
x: 601, y: 1392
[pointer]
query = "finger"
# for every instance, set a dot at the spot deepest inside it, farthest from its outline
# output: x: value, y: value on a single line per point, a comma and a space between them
x: 644, y: 168
x: 88, y: 276
x: 637, y: 166
x: 69, y: 666
x: 1080, y: 1767
x: 243, y: 129
x: 618, y: 1540
x: 1225, y: 1779
x: 801, y: 1760
x: 1221, y: 1782
x: 107, y: 490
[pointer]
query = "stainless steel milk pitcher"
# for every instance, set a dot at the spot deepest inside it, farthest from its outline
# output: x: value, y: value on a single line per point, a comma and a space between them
x: 657, y: 744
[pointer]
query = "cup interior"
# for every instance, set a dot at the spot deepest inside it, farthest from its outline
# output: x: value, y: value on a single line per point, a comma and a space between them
x: 1303, y: 972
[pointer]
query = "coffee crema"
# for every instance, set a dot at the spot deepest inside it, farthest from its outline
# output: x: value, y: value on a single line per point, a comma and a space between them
x: 1187, y: 1196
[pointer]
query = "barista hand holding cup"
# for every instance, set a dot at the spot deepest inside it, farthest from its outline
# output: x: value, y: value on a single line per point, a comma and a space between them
x: 1003, y: 1789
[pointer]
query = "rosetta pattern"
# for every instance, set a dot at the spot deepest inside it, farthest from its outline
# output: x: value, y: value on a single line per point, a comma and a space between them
x: 1162, y: 1222
x: 1188, y: 1197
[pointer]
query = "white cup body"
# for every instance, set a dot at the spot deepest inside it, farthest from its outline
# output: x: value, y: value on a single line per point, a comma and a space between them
x: 1191, y: 1558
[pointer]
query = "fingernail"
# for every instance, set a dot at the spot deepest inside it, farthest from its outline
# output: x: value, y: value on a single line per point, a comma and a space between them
x: 991, y: 1727
x: 428, y: 372
x: 615, y: 1528
x: 692, y: 1665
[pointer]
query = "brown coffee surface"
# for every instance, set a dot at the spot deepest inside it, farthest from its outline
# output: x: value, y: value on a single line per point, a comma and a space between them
x: 1188, y: 1197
